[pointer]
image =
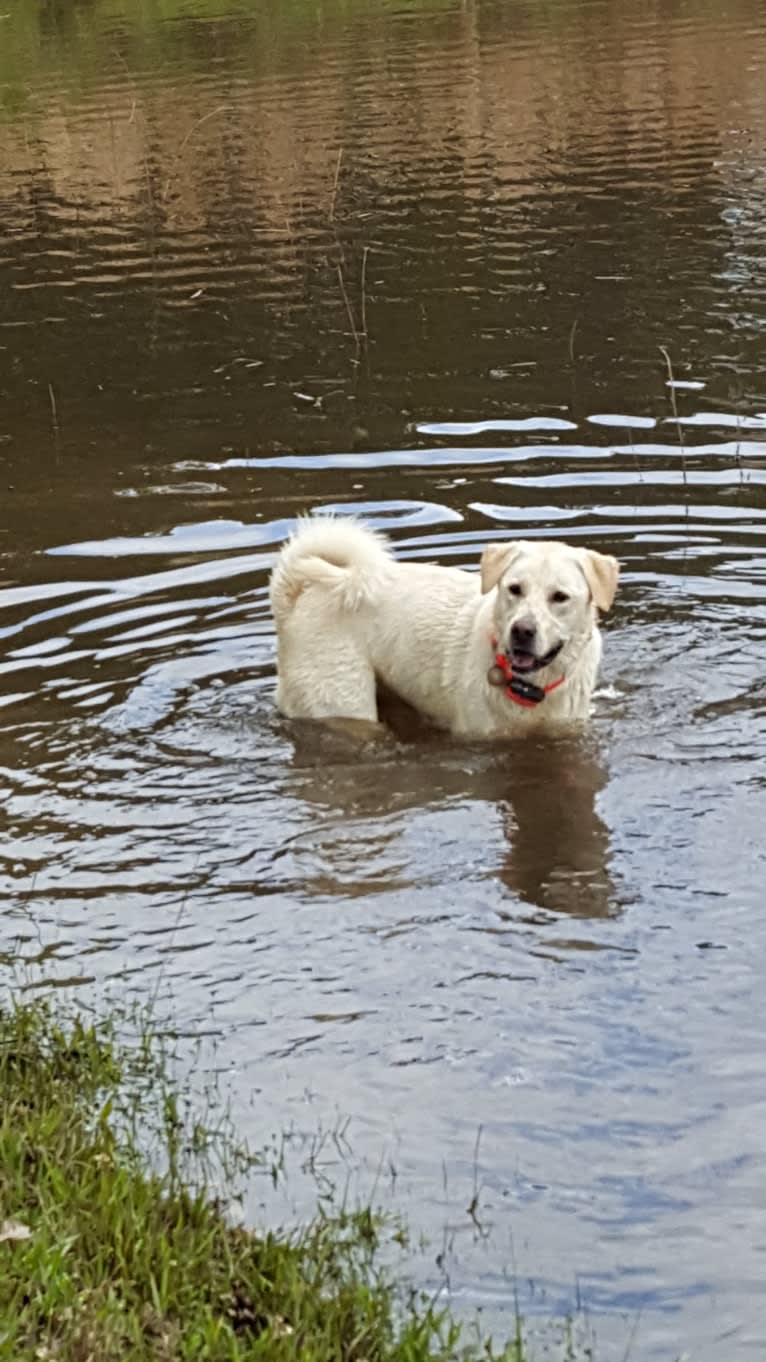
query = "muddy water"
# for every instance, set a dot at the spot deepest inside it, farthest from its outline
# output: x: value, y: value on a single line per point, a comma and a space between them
x: 416, y: 261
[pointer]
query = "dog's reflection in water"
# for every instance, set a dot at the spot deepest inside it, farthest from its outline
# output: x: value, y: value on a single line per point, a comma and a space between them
x: 544, y: 793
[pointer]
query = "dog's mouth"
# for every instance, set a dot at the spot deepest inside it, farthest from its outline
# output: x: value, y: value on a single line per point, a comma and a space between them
x: 525, y: 662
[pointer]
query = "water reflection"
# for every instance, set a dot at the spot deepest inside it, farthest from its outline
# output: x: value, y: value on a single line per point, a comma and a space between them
x: 558, y: 856
x: 536, y: 802
x: 181, y: 196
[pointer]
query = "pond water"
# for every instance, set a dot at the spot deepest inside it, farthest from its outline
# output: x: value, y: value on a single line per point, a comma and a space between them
x: 418, y: 261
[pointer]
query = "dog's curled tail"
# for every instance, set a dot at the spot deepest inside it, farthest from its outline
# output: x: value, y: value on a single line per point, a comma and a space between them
x: 345, y: 556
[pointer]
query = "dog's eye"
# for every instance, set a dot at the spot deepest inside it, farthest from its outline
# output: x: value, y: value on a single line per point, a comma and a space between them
x: 514, y: 589
x: 559, y: 597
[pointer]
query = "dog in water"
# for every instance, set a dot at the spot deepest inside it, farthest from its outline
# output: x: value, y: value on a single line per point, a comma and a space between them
x: 512, y: 650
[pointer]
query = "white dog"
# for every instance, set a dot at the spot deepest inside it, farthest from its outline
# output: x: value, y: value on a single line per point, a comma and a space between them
x: 513, y: 650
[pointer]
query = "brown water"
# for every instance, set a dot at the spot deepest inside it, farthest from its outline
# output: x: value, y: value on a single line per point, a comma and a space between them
x: 416, y: 261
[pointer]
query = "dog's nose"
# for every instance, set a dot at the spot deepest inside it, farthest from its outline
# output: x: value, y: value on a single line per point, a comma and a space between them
x: 523, y: 633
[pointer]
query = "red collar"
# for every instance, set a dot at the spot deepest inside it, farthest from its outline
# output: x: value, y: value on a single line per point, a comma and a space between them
x: 522, y: 692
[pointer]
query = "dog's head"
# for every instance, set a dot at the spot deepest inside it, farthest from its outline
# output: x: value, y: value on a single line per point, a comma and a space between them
x: 548, y: 596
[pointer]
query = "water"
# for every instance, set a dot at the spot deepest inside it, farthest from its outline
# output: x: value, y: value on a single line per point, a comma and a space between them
x: 416, y: 261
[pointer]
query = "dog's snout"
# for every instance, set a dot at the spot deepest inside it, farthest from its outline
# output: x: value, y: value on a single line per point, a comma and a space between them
x: 523, y: 632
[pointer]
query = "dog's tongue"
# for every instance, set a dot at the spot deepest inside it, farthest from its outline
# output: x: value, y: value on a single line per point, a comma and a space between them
x: 523, y: 662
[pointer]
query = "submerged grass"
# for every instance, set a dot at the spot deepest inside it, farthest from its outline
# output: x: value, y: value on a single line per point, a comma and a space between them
x: 109, y: 1253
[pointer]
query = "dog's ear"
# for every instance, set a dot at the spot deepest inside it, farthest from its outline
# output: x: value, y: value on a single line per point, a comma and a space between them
x: 494, y: 560
x: 601, y: 573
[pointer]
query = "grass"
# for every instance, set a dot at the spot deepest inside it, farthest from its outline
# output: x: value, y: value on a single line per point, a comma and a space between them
x: 115, y: 1245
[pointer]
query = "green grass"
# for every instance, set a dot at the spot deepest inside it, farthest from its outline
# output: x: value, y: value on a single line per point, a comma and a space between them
x: 115, y: 1245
